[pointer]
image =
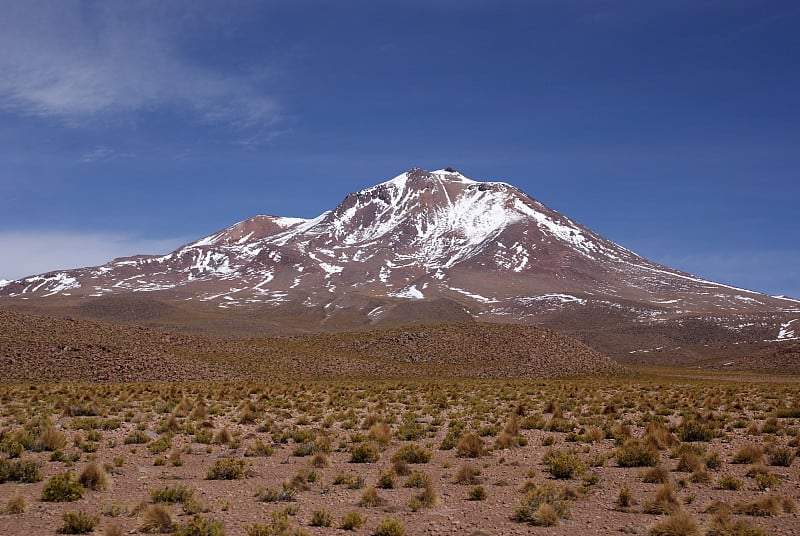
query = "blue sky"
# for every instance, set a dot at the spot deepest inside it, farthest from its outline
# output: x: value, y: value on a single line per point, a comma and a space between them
x: 671, y: 127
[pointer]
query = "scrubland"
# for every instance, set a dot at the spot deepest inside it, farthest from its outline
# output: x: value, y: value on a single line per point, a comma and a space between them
x: 634, y: 454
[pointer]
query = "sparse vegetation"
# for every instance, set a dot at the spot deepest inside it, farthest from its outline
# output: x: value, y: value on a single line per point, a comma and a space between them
x: 63, y: 487
x: 297, y: 441
x: 389, y: 526
x: 227, y: 469
x: 78, y: 523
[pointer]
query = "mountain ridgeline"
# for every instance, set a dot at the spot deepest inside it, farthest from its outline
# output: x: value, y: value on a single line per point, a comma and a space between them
x: 428, y: 246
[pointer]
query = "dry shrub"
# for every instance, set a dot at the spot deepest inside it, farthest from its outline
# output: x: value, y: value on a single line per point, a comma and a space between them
x: 624, y: 498
x: 636, y: 453
x: 467, y: 474
x: 320, y: 460
x: 723, y: 525
x: 563, y: 464
x: 545, y: 516
x: 665, y: 501
x: 783, y: 456
x: 535, y: 497
x: 771, y: 505
x: 78, y: 523
x: 113, y: 530
x: 15, y: 505
x: 156, y: 519
x: 690, y: 461
x: 658, y: 436
x: 51, y: 439
x: 370, y: 498
x: 364, y: 452
x: 749, y: 453
x: 505, y: 441
x: 428, y: 498
x: 389, y: 526
x: 94, y: 477
x: 678, y: 524
x: 470, y: 446
x: 401, y: 468
x: 381, y: 433
x: 222, y: 436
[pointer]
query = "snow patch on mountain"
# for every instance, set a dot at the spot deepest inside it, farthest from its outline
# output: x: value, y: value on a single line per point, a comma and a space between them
x: 785, y: 332
x: 408, y: 292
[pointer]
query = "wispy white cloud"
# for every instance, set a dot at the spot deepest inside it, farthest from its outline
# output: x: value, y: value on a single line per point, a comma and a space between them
x: 24, y: 253
x: 101, y: 153
x: 75, y: 61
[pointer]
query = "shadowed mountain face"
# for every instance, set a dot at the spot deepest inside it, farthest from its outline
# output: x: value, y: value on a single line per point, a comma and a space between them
x: 485, y: 249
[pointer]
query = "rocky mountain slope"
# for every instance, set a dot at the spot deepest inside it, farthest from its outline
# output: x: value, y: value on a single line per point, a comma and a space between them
x: 485, y: 249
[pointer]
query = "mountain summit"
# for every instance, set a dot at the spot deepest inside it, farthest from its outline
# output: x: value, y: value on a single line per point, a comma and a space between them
x: 485, y: 247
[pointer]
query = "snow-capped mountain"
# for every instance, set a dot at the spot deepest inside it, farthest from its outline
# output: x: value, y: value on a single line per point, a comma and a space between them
x: 421, y: 235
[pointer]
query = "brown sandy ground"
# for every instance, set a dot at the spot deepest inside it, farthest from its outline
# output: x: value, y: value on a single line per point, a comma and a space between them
x: 726, y: 450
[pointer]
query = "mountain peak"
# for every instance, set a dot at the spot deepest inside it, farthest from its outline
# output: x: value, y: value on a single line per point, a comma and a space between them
x: 421, y: 235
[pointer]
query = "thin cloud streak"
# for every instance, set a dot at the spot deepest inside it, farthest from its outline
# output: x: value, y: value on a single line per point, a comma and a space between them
x: 75, y: 62
x: 24, y: 253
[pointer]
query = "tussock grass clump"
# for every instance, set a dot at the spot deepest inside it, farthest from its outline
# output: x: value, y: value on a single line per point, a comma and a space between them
x: 320, y: 460
x: 636, y: 453
x: 259, y: 448
x: 19, y: 471
x: 656, y: 475
x: 532, y: 510
x: 16, y: 504
x: 665, y: 502
x: 321, y: 518
x: 386, y: 480
x: 171, y: 495
x: 782, y: 457
x: 200, y: 526
x: 51, y: 439
x: 428, y: 498
x: 690, y: 462
x: 156, y: 519
x: 771, y: 505
x: 678, y: 524
x: 63, y: 487
x: 624, y: 498
x: 470, y: 446
x: 412, y: 454
x: 137, y: 437
x: 478, y: 493
x: 389, y: 526
x: 364, y: 452
x: 78, y: 523
x: 722, y: 524
x: 563, y: 464
x: 94, y: 477
x: 351, y: 521
x: 749, y: 453
x: 730, y: 483
x: 370, y: 498
x: 227, y: 469
x: 692, y: 430
x: 417, y: 479
x: 467, y: 475
x: 764, y: 479
x: 658, y: 436
x: 381, y: 433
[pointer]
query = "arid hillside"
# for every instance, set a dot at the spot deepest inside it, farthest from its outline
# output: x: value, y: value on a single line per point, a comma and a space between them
x: 39, y: 348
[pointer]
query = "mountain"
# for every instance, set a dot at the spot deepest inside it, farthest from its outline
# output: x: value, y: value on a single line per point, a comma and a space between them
x: 426, y: 241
